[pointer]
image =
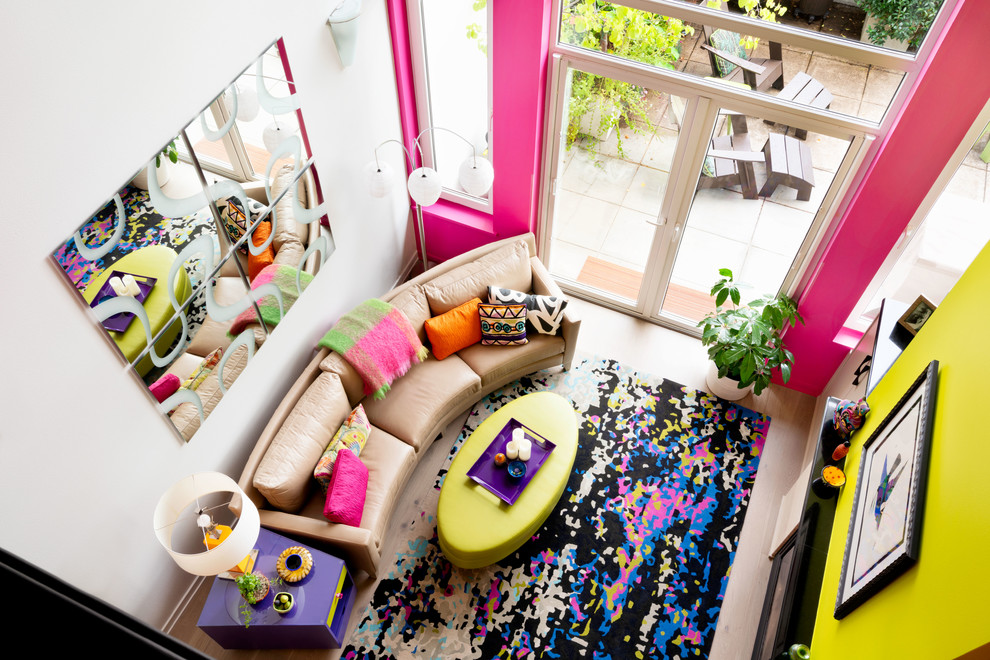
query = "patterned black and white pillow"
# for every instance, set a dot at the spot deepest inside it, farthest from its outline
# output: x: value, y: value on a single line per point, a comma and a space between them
x: 544, y: 313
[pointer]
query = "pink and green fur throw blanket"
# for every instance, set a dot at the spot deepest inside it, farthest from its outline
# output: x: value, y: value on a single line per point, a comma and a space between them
x: 378, y: 341
x: 284, y: 277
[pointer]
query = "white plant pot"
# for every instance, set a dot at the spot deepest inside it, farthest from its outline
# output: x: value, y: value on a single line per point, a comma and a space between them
x: 724, y: 388
x: 864, y: 36
x: 592, y: 120
x: 164, y: 170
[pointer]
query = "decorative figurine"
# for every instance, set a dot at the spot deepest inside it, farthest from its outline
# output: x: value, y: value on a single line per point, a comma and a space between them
x: 849, y: 416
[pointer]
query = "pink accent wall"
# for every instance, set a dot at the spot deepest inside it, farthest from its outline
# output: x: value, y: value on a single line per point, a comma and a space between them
x: 947, y: 97
x: 519, y: 47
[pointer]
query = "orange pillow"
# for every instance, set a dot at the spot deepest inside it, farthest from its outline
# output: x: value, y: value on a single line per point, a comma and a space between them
x: 457, y: 329
x: 257, y: 262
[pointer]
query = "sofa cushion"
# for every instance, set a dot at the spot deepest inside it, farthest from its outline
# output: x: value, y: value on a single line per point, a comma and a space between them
x: 286, y: 229
x: 285, y: 473
x: 212, y: 334
x: 390, y: 462
x: 347, y: 491
x: 506, y: 267
x: 544, y: 313
x: 457, y: 329
x: 412, y: 302
x: 423, y: 398
x: 494, y: 363
x: 349, y: 377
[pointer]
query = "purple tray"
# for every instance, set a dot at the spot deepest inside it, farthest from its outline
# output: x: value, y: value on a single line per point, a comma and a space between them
x: 496, y: 478
x: 119, y: 322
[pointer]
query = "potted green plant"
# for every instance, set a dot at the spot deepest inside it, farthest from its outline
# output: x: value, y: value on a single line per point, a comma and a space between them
x: 903, y: 23
x: 598, y: 105
x: 744, y: 341
x: 162, y: 167
x: 253, y: 587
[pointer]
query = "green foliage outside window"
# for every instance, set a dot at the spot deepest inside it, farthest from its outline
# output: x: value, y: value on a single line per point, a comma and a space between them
x: 631, y: 34
x: 903, y: 20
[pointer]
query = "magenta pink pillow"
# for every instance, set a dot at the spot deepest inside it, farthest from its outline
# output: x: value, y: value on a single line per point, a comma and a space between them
x: 165, y: 387
x: 347, y: 490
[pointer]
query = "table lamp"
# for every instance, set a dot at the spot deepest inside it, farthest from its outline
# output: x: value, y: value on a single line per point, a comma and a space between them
x: 186, y: 525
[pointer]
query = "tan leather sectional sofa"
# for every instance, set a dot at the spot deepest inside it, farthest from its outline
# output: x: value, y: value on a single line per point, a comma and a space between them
x: 413, y: 413
x: 290, y: 243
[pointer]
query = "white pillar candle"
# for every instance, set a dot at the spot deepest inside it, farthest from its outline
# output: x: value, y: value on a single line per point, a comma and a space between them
x: 132, y: 286
x: 512, y: 450
x: 525, y: 449
x: 118, y: 286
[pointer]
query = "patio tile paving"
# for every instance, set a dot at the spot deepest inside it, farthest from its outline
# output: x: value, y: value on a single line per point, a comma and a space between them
x: 612, y: 180
x: 707, y: 253
x: 645, y: 193
x: 781, y: 229
x: 725, y: 213
x: 629, y: 238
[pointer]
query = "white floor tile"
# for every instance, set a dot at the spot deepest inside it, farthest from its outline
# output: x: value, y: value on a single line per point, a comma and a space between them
x: 725, y: 213
x: 781, y: 229
x: 630, y: 237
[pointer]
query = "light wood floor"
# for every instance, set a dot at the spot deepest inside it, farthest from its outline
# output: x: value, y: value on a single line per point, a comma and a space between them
x: 645, y: 347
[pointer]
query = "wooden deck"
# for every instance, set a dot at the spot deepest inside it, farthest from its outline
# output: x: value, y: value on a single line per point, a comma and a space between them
x: 625, y: 282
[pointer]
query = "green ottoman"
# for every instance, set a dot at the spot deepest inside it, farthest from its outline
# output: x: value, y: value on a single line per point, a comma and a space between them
x: 151, y: 261
x: 475, y: 527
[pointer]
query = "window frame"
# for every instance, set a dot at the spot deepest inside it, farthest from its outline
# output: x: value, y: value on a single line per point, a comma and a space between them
x: 824, y: 121
x: 424, y: 117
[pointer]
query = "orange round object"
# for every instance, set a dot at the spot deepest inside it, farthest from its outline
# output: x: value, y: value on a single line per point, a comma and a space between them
x: 833, y: 476
x: 500, y: 459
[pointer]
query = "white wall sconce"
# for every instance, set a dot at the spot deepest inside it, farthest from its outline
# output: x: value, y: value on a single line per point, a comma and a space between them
x: 343, y: 22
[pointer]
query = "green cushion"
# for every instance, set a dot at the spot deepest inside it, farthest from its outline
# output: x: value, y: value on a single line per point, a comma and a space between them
x: 727, y: 42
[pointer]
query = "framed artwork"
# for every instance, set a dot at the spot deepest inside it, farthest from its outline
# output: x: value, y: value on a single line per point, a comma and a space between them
x: 916, y: 315
x: 885, y: 527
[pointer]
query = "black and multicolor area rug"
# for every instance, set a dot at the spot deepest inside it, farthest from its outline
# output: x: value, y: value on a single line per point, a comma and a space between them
x: 634, y: 561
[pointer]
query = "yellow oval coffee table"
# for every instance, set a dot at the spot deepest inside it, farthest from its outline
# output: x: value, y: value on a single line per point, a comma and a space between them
x: 476, y: 528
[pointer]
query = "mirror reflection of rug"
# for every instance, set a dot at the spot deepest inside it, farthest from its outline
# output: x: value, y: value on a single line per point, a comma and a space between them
x: 145, y: 226
x: 632, y: 563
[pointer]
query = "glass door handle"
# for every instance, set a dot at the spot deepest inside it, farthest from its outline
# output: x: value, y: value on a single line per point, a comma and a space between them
x: 661, y: 222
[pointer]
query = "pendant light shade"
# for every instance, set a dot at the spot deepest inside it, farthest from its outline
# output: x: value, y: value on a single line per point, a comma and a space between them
x: 476, y: 176
x: 248, y: 105
x: 273, y: 136
x: 424, y: 186
x: 380, y: 178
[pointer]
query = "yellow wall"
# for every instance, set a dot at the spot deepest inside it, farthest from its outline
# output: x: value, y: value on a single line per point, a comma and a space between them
x: 939, y: 608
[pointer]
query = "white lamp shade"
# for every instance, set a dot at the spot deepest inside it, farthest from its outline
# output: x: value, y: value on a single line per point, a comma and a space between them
x: 248, y: 105
x: 174, y: 510
x: 476, y: 176
x: 273, y: 136
x: 380, y: 177
x: 424, y: 186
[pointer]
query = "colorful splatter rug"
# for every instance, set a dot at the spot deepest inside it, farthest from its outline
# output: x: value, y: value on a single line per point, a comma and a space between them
x: 634, y: 561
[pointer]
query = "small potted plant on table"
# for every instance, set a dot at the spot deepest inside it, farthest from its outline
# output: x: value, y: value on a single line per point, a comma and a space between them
x: 744, y: 341
x: 253, y: 587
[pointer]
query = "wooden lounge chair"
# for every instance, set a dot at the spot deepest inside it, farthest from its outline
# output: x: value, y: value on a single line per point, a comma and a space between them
x: 731, y: 62
x: 729, y: 161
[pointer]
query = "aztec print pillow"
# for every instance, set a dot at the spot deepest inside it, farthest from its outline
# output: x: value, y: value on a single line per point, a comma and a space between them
x: 235, y: 219
x: 502, y: 325
x: 544, y: 313
x: 353, y: 435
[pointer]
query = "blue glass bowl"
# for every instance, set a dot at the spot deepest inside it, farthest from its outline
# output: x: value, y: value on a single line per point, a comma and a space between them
x: 516, y: 469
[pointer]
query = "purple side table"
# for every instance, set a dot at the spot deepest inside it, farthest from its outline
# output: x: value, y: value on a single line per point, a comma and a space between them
x: 317, y: 620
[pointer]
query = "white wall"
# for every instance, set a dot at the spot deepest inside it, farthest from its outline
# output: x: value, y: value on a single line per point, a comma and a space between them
x: 91, y: 91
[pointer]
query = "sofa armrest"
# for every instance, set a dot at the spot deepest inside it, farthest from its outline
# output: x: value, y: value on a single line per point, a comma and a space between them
x: 544, y: 285
x: 355, y: 543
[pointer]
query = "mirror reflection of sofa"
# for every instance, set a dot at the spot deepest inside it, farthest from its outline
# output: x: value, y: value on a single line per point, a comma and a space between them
x: 290, y: 242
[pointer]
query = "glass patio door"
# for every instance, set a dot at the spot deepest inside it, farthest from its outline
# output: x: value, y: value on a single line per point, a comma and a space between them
x: 613, y: 169
x: 645, y: 210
